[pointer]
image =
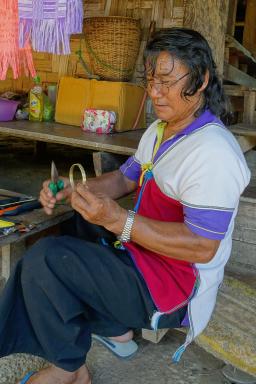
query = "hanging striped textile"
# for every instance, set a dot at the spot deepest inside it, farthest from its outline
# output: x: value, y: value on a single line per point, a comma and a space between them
x: 49, y: 23
x: 10, y: 54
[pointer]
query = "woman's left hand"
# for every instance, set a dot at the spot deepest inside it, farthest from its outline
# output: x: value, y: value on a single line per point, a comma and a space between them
x: 98, y: 209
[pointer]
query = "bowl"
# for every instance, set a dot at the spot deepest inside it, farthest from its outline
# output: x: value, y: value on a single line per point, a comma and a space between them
x: 8, y: 109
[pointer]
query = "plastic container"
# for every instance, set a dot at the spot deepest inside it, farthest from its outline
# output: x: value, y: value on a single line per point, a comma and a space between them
x: 8, y: 109
x: 36, y: 101
x: 52, y: 93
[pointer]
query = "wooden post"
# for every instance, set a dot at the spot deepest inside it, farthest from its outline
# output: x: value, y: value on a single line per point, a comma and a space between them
x: 249, y: 35
x: 106, y: 162
x: 6, y: 260
x: 40, y: 149
x: 154, y: 336
x: 231, y: 17
x: 214, y: 30
x: 249, y: 106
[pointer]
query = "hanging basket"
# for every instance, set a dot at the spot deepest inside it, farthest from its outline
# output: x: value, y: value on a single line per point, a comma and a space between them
x: 113, y: 44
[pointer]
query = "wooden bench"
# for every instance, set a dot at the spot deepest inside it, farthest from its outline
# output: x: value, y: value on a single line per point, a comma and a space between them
x: 40, y: 222
x: 122, y: 143
x: 109, y: 151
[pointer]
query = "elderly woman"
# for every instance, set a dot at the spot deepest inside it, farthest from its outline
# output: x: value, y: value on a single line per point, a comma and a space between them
x: 189, y: 173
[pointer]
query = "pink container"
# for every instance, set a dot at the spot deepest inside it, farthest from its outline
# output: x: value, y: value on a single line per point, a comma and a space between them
x: 8, y: 109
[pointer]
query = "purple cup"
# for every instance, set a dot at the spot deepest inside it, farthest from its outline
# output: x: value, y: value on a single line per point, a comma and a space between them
x: 8, y: 109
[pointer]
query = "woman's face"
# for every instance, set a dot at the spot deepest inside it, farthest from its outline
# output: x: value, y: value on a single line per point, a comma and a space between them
x: 165, y: 89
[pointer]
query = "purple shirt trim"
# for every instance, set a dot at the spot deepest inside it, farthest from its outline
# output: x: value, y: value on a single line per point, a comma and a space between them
x: 210, y: 223
x: 131, y: 169
x: 185, y: 321
x: 205, y: 118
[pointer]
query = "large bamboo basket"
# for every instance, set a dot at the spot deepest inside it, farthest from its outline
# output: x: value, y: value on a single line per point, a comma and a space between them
x: 113, y: 44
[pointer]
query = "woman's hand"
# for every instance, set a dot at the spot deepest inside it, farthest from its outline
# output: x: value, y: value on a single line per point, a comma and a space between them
x: 98, y: 209
x: 49, y: 201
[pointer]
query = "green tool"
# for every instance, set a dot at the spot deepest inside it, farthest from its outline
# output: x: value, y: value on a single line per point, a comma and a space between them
x: 56, y: 184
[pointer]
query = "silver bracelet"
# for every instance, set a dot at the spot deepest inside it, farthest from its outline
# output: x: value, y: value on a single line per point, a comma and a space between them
x: 125, y: 236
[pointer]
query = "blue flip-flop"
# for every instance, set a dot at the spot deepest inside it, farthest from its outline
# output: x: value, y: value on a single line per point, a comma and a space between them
x: 123, y: 350
x: 27, y: 377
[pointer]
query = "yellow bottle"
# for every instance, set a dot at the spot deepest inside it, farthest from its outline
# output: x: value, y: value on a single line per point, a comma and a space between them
x: 36, y: 101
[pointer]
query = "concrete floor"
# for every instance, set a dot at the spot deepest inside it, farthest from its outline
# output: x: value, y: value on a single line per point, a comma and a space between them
x: 151, y: 365
x: 21, y: 171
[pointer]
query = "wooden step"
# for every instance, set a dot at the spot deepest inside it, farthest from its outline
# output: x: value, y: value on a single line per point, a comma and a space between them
x: 235, y: 48
x: 243, y: 129
x: 236, y: 90
x: 231, y: 334
x: 245, y: 134
x: 236, y: 76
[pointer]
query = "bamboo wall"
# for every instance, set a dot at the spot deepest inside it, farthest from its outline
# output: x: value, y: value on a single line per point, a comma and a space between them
x: 165, y: 13
x: 208, y: 17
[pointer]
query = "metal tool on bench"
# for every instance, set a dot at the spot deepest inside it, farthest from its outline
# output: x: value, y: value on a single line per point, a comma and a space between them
x: 56, y: 184
x: 13, y: 203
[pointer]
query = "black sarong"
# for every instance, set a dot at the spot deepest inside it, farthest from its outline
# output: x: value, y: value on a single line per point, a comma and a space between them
x: 66, y: 288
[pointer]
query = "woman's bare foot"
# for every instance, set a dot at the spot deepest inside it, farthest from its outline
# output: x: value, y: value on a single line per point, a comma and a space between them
x: 55, y: 375
x: 123, y: 338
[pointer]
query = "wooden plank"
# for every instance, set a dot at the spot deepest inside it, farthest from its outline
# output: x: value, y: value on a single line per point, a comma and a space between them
x: 246, y: 143
x: 40, y: 149
x: 249, y: 106
x: 243, y: 253
x: 154, y: 336
x: 124, y: 143
x: 231, y: 17
x: 106, y: 162
x: 234, y: 60
x: 243, y: 129
x: 40, y: 220
x: 239, y: 23
x: 107, y: 7
x: 239, y: 49
x: 197, y: 11
x: 245, y: 234
x: 238, y: 77
x: 233, y: 90
x: 249, y: 35
x: 6, y: 261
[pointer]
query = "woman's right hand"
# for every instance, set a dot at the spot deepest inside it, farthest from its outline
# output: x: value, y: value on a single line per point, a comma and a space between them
x: 49, y: 201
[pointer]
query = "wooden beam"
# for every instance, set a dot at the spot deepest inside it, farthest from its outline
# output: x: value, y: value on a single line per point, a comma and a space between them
x: 249, y: 106
x: 233, y: 90
x: 6, y: 261
x: 243, y: 129
x: 245, y: 135
x: 154, y: 336
x: 246, y: 143
x: 238, y: 77
x: 239, y: 49
x: 106, y: 162
x: 249, y: 35
x: 231, y: 17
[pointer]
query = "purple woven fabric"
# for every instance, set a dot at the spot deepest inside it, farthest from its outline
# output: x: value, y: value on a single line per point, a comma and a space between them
x: 49, y: 23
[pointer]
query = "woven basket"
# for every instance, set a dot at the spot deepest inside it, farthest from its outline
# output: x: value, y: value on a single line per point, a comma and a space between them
x: 113, y: 45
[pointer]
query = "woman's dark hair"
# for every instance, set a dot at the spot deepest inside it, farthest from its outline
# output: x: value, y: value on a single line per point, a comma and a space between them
x: 193, y: 50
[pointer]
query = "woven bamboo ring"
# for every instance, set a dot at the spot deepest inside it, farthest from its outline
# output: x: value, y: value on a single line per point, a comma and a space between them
x: 71, y: 172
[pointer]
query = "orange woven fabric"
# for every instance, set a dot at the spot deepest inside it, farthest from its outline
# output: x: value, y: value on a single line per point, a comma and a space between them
x: 19, y: 59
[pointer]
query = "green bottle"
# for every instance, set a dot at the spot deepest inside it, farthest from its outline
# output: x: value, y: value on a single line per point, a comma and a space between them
x: 36, y: 101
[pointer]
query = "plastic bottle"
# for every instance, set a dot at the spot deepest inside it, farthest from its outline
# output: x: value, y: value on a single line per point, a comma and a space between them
x: 49, y: 98
x: 36, y: 101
